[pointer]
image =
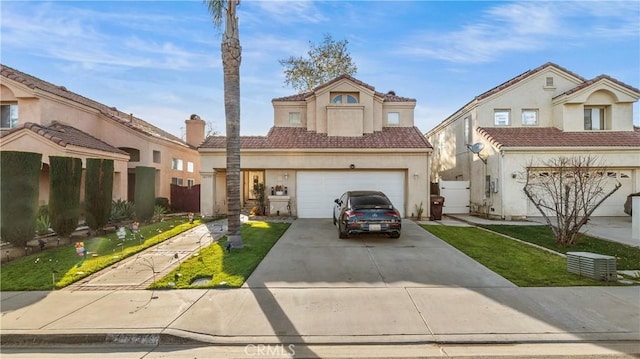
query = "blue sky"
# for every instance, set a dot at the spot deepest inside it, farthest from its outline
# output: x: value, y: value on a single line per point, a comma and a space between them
x: 160, y: 60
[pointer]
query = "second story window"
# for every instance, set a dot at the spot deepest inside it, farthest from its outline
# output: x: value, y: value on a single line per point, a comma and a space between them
x: 157, y: 158
x: 176, y: 164
x: 294, y: 118
x: 9, y: 115
x: 190, y: 167
x: 393, y: 118
x: 344, y: 98
x: 529, y: 117
x: 594, y: 118
x: 501, y: 117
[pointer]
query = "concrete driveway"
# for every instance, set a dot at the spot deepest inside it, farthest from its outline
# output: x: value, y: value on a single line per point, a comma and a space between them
x: 310, y: 254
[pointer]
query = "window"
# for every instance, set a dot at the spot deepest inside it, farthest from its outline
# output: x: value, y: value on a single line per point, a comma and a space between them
x: 594, y: 118
x: 530, y: 117
x: 294, y: 118
x: 191, y: 182
x: 501, y: 117
x: 156, y: 157
x: 176, y: 164
x: 393, y: 118
x: 190, y: 167
x: 9, y: 116
x: 176, y: 181
x: 338, y: 99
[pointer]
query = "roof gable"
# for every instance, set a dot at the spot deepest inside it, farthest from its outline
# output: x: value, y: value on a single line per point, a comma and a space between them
x: 64, y: 136
x: 111, y: 113
x: 388, y: 97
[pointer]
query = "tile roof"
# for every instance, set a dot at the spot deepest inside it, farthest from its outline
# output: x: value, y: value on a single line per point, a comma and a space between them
x: 553, y: 137
x: 64, y: 135
x: 300, y: 138
x: 112, y: 113
x: 388, y: 97
x: 523, y: 76
x: 593, y: 81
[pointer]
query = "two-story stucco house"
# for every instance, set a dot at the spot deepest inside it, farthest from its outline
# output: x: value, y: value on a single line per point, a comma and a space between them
x: 543, y: 113
x: 40, y: 117
x: 342, y: 135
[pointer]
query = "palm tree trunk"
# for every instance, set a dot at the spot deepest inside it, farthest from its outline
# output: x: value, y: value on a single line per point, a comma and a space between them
x: 231, y: 56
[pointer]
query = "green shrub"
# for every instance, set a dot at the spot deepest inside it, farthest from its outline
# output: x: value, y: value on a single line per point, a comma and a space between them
x: 43, y: 223
x: 98, y: 190
x: 64, y: 194
x: 163, y: 202
x: 122, y: 211
x: 158, y: 213
x: 19, y: 191
x: 145, y: 193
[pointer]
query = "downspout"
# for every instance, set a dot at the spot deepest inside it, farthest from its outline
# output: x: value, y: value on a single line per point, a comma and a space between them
x: 501, y: 184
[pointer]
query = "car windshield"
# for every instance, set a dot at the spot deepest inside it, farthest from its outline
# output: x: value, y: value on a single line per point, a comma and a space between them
x: 371, y: 200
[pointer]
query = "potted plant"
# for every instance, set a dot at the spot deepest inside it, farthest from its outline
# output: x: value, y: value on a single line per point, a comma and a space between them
x: 279, y: 191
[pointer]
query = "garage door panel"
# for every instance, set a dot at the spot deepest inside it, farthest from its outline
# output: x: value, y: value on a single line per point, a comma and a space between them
x: 316, y: 190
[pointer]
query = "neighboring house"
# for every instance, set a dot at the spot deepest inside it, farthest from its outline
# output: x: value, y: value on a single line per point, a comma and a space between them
x: 543, y: 113
x: 343, y: 135
x: 41, y: 117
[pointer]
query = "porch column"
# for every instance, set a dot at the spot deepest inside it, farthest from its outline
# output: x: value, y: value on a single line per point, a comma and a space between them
x: 207, y: 193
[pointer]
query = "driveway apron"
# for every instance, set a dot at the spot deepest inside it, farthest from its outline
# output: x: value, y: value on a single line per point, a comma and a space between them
x: 310, y: 254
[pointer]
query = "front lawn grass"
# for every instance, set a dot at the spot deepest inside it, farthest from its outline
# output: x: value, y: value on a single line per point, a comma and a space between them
x: 523, y: 265
x: 627, y: 257
x: 61, y: 266
x: 225, y: 268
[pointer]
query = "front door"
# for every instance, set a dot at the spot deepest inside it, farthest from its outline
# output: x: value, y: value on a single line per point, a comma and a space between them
x: 251, y: 179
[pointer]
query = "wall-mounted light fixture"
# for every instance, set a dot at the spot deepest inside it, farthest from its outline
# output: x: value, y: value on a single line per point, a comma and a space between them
x: 352, y: 166
x: 514, y: 174
x: 416, y: 175
x: 286, y: 176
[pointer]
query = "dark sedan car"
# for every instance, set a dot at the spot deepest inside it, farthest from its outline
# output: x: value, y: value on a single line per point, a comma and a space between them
x: 358, y: 212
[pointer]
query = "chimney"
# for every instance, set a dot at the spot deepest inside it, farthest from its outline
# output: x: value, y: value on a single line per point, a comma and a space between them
x: 195, y: 130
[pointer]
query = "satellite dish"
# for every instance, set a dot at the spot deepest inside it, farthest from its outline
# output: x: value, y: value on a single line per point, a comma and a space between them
x: 477, y: 147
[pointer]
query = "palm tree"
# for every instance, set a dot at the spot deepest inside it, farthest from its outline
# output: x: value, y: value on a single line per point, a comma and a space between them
x: 231, y: 56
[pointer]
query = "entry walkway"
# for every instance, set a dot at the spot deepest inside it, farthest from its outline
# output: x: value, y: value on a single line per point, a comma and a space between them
x: 140, y: 270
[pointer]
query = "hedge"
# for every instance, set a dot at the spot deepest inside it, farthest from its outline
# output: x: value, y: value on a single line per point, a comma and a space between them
x: 98, y: 190
x: 64, y: 194
x: 19, y: 192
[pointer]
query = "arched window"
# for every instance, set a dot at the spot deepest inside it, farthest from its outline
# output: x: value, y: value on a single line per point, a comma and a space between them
x: 342, y: 98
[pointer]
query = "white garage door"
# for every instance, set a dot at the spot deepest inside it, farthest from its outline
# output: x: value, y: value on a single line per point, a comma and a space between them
x: 316, y: 190
x: 612, y: 206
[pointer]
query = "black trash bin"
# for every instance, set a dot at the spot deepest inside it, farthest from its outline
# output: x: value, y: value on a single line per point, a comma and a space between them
x: 436, y: 207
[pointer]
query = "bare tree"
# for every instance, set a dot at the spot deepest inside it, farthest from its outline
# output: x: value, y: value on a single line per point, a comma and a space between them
x: 566, y: 191
x: 323, y: 63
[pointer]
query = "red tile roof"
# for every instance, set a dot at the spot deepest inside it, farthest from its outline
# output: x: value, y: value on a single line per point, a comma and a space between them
x: 64, y: 135
x: 112, y: 113
x: 300, y: 138
x: 523, y: 76
x: 553, y: 137
x: 596, y: 79
x: 388, y: 97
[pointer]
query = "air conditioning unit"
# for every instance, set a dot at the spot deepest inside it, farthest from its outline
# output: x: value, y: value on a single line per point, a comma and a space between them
x: 592, y: 265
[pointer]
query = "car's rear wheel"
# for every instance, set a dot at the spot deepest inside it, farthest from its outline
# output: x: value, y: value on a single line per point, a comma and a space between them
x: 395, y: 235
x: 342, y: 234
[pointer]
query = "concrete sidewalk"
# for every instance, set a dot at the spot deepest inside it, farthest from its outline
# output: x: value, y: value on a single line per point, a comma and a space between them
x: 270, y: 312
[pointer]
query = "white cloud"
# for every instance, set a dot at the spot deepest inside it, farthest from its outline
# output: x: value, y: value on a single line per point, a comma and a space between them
x: 524, y: 27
